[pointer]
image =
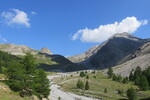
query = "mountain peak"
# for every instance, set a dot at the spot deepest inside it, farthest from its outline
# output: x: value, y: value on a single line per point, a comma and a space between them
x: 125, y: 35
x: 46, y: 50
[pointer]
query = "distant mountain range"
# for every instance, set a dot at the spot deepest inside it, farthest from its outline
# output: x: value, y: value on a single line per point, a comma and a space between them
x: 122, y: 50
x: 45, y: 58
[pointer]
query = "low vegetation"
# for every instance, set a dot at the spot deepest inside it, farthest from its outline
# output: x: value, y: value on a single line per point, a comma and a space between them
x: 102, y: 86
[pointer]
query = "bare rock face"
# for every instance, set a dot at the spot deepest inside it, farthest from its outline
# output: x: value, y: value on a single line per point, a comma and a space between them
x: 46, y: 50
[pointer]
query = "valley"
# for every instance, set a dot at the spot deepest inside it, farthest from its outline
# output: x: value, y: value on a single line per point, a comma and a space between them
x: 74, y: 50
x: 63, y: 86
x: 122, y: 52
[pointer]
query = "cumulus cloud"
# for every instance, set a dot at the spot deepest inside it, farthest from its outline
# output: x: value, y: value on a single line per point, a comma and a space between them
x: 16, y: 16
x: 103, y: 32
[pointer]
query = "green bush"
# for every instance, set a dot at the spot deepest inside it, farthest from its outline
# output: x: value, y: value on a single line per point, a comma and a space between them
x: 80, y: 84
x: 131, y: 93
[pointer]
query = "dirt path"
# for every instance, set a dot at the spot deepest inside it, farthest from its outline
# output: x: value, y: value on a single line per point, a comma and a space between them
x: 56, y: 92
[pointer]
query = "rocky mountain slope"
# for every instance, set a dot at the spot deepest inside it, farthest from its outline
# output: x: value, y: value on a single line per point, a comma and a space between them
x: 141, y: 58
x: 17, y: 49
x: 21, y: 49
x: 46, y: 50
x: 117, y: 50
x: 45, y: 58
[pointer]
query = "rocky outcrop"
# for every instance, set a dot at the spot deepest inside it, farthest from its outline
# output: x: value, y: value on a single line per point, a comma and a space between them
x: 46, y: 50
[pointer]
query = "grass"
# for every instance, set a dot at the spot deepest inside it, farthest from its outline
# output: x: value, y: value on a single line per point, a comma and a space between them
x: 97, y: 86
x: 45, y: 60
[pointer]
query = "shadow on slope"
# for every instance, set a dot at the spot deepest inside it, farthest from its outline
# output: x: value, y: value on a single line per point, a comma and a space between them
x: 113, y: 52
x: 62, y: 64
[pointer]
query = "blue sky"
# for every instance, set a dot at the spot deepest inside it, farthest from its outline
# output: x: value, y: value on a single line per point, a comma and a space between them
x: 53, y: 23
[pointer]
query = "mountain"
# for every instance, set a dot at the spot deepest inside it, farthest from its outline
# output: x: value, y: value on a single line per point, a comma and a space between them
x: 45, y: 58
x: 17, y: 49
x: 113, y: 52
x: 46, y: 50
x: 141, y: 58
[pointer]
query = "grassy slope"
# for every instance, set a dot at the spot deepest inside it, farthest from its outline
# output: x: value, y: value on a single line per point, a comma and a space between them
x: 97, y: 86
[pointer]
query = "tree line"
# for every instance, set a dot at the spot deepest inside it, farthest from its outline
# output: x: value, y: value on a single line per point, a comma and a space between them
x: 140, y: 77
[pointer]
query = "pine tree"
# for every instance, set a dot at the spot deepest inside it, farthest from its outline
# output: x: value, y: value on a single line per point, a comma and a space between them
x: 93, y: 72
x: 119, y: 78
x: 41, y: 84
x: 131, y: 93
x: 29, y: 67
x: 24, y: 77
x: 87, y: 85
x: 110, y: 72
x: 147, y: 74
x: 131, y: 76
x: 137, y: 79
x: 0, y: 67
x: 105, y: 90
x: 86, y: 72
x: 29, y: 64
x: 120, y: 91
x: 144, y: 85
x: 80, y: 84
x: 124, y: 81
x: 87, y: 76
x: 82, y: 74
x: 15, y: 76
x: 114, y: 77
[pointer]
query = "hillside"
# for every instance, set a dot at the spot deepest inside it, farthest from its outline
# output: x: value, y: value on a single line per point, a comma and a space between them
x: 17, y: 49
x: 98, y: 82
x: 114, y: 51
x: 45, y: 58
x: 141, y: 57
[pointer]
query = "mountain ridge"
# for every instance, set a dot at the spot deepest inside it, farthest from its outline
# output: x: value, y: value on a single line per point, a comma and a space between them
x: 46, y: 60
x: 21, y: 49
x: 115, y: 51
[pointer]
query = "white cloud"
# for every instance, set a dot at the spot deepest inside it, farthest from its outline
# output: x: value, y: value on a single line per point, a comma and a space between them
x: 33, y: 13
x: 2, y: 38
x: 16, y: 16
x: 103, y: 32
